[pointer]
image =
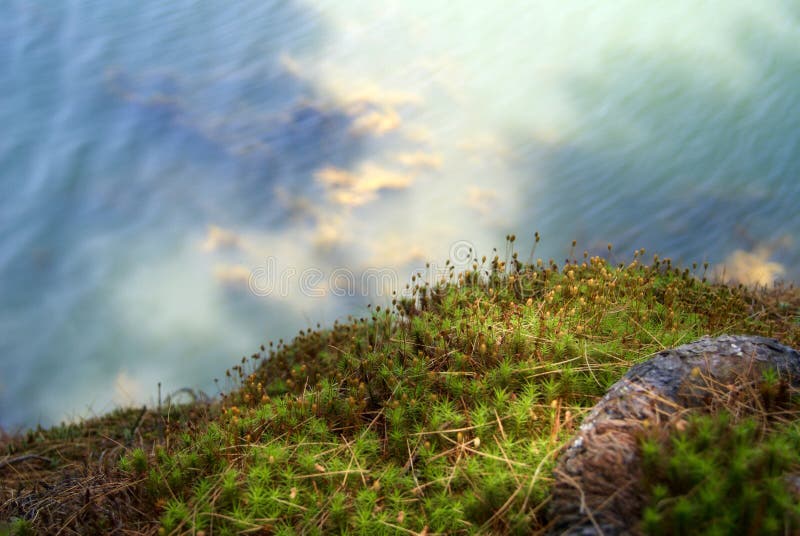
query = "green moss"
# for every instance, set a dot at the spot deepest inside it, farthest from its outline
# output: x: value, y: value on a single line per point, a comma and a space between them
x: 446, y: 413
x: 717, y: 475
x: 18, y: 527
x: 439, y: 414
x: 176, y: 515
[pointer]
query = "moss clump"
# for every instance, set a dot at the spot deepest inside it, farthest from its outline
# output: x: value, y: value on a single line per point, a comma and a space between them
x: 722, y: 476
x: 441, y: 414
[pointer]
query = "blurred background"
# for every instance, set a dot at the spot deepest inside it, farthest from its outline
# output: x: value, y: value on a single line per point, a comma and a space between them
x: 164, y: 164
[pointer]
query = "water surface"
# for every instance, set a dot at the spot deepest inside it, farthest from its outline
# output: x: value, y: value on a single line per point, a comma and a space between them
x: 154, y: 157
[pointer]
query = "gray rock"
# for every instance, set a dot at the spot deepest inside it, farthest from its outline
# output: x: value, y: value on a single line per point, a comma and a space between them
x: 597, y: 487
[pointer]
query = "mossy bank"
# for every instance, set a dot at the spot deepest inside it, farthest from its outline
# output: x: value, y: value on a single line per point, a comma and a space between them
x: 443, y: 414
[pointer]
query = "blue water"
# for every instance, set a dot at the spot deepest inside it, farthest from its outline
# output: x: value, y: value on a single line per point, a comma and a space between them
x: 154, y: 156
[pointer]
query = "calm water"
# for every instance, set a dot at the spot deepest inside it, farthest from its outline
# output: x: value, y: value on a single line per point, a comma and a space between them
x: 170, y: 171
